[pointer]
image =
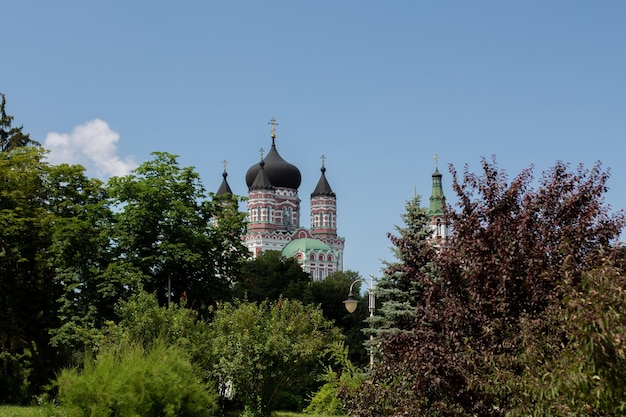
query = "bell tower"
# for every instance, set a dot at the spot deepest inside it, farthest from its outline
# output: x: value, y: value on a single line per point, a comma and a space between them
x: 436, y: 210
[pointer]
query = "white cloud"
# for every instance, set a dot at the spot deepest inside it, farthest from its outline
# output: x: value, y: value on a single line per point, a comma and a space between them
x: 92, y: 145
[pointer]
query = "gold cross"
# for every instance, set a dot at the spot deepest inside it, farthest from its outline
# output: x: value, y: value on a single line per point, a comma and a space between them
x: 274, y: 124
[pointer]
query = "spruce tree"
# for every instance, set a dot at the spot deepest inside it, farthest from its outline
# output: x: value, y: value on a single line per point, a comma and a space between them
x: 399, y: 290
x: 11, y: 137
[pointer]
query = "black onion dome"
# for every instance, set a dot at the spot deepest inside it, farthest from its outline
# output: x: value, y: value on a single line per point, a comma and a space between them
x: 323, y: 188
x: 280, y: 172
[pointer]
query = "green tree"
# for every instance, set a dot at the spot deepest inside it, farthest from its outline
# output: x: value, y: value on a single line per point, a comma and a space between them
x: 165, y: 226
x: 329, y: 294
x: 263, y: 350
x: 270, y: 276
x: 11, y: 137
x: 398, y: 291
x: 83, y: 258
x: 141, y: 320
x: 28, y: 290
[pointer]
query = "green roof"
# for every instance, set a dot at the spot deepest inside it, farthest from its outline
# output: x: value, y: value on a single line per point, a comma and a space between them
x: 437, y: 199
x: 305, y: 245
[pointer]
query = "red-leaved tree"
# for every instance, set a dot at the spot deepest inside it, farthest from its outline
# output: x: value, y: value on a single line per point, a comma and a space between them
x: 512, y: 250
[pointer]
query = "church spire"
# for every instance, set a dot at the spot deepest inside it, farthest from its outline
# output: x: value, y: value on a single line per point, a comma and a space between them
x: 437, y: 199
x: 224, y: 187
x: 323, y: 188
x: 437, y: 208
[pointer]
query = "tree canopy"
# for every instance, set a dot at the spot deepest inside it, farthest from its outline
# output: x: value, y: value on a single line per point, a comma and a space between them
x: 186, y: 245
x: 519, y: 313
x: 517, y: 256
x: 72, y: 247
x: 270, y: 276
x: 28, y: 289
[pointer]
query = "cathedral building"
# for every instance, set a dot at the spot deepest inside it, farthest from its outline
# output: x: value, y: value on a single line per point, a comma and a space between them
x: 274, y: 215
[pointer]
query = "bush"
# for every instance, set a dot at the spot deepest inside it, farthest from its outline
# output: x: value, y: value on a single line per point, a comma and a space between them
x: 328, y: 399
x: 268, y: 348
x: 131, y: 381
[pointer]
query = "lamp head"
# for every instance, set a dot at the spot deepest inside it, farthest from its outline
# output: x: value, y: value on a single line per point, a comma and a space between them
x: 350, y: 303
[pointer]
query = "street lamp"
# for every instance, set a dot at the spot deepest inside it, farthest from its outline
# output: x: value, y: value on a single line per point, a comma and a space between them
x: 351, y: 305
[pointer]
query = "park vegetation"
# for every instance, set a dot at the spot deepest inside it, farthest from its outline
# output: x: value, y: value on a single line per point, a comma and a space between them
x: 520, y: 313
x: 135, y: 296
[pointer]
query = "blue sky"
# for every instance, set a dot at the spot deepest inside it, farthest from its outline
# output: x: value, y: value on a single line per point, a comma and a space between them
x: 378, y: 87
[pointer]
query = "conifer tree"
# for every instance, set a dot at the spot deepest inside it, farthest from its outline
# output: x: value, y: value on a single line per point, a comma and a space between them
x: 11, y: 137
x: 399, y: 290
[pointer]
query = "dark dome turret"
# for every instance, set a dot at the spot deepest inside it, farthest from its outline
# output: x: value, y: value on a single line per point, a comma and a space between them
x: 323, y: 188
x: 279, y: 172
x: 261, y: 181
x: 224, y: 187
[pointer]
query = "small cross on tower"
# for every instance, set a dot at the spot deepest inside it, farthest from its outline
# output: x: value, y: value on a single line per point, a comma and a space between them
x: 261, y: 152
x: 436, y: 158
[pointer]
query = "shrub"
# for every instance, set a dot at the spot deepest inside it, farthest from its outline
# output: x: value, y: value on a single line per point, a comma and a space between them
x: 327, y: 400
x: 269, y: 348
x: 131, y: 381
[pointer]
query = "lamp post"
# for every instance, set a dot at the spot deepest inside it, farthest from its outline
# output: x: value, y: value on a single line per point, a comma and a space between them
x: 351, y: 305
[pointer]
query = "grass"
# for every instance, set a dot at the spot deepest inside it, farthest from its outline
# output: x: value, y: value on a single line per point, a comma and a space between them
x: 15, y: 411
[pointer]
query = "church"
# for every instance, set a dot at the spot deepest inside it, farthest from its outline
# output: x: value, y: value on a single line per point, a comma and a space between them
x: 274, y: 215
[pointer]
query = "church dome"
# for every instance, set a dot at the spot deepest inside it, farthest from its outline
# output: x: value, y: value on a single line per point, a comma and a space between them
x: 304, y: 245
x: 280, y: 172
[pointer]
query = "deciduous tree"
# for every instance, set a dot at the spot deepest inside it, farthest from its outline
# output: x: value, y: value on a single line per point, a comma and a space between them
x: 512, y: 250
x: 329, y: 294
x: 28, y: 290
x: 166, y: 227
x: 270, y: 276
